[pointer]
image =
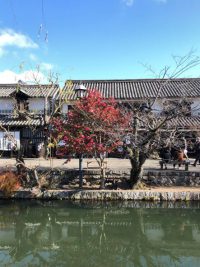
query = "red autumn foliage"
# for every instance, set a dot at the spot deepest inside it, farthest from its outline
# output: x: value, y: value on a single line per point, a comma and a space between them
x: 92, y: 126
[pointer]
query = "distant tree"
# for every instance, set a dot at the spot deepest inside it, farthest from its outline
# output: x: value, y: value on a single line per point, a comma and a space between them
x: 148, y: 132
x: 92, y: 128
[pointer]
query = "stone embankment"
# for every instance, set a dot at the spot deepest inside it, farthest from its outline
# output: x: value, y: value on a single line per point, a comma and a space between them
x: 165, y: 185
x: 172, y: 177
x: 155, y: 194
x: 117, y: 179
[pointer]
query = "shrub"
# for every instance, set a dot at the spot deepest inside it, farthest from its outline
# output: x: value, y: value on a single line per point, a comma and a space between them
x: 9, y: 182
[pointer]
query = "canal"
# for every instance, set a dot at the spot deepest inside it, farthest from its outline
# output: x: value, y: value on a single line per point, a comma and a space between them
x: 60, y: 233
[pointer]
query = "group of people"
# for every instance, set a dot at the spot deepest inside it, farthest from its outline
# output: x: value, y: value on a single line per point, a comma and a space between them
x: 175, y: 153
x: 178, y: 153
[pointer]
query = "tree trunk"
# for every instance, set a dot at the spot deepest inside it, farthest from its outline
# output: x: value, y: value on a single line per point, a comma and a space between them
x: 80, y: 171
x: 29, y: 178
x: 136, y: 169
x: 102, y: 176
x: 136, y: 176
x: 21, y: 168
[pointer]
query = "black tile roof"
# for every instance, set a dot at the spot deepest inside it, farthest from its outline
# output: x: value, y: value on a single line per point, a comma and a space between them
x: 31, y: 90
x: 11, y: 121
x: 180, y: 123
x: 136, y: 88
x: 192, y: 122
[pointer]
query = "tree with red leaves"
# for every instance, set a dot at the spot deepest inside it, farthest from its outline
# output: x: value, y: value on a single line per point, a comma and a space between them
x: 92, y: 128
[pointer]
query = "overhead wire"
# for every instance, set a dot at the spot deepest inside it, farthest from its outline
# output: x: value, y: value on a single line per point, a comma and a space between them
x: 13, y: 14
x: 43, y: 32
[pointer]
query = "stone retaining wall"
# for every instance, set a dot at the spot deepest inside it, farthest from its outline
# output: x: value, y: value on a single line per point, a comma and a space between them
x: 106, y: 195
x: 118, y: 178
x: 62, y: 178
x: 172, y: 178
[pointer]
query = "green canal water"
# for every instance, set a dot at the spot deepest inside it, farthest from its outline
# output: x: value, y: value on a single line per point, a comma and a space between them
x: 59, y: 233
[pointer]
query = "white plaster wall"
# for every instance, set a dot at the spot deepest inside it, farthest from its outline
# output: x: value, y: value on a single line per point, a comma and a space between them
x: 157, y: 106
x: 6, y: 105
x: 37, y: 104
x: 64, y: 108
x: 9, y: 139
x: 195, y: 107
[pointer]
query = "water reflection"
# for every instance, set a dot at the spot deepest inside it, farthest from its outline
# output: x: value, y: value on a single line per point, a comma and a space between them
x: 103, y: 234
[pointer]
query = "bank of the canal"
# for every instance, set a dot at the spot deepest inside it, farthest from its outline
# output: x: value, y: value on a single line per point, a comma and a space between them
x: 153, y: 194
x: 162, y: 185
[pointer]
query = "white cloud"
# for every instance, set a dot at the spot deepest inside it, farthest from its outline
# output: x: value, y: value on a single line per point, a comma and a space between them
x: 9, y: 37
x: 46, y: 66
x: 128, y: 2
x: 161, y: 1
x: 33, y: 57
x: 2, y: 52
x: 29, y: 76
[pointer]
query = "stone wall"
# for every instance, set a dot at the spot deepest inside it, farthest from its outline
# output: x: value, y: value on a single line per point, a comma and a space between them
x: 116, y: 179
x: 58, y: 178
x: 63, y: 184
x: 106, y: 195
x: 172, y: 178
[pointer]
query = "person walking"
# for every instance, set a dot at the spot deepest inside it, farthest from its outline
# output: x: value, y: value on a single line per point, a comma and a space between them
x: 197, y: 151
x: 165, y: 154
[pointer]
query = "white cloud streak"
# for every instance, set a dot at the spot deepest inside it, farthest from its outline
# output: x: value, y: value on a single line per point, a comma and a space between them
x: 128, y: 3
x: 29, y: 76
x: 33, y: 57
x: 161, y: 1
x: 46, y: 66
x: 8, y: 37
x: 2, y: 52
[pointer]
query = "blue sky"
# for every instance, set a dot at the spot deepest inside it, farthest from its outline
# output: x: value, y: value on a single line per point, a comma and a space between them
x: 95, y: 39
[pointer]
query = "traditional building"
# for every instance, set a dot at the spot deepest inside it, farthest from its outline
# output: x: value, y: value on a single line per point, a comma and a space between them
x: 158, y: 91
x: 24, y: 111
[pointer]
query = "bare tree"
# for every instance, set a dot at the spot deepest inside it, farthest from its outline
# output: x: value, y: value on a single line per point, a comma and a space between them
x: 150, y: 128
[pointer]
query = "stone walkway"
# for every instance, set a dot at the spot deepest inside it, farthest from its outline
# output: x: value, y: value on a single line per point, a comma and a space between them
x: 112, y: 163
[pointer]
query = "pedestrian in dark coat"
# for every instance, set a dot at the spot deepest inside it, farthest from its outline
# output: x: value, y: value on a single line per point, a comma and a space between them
x: 197, y: 151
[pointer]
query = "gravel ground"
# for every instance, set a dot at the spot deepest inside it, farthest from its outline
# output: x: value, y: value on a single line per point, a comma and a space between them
x: 112, y: 163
